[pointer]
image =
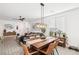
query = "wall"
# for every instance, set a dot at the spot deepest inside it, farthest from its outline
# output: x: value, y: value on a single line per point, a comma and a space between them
x: 2, y: 22
x: 68, y: 22
x: 22, y: 26
x: 72, y: 27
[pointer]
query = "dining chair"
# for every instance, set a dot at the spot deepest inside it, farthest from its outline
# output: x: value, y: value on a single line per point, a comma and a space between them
x: 37, y: 36
x: 50, y: 49
x: 32, y: 37
x: 28, y: 51
x: 57, y: 42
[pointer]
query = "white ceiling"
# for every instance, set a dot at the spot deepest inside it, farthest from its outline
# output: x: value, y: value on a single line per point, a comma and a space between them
x: 33, y: 10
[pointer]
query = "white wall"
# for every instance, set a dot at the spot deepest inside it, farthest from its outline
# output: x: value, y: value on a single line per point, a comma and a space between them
x: 72, y: 27
x: 2, y: 22
x: 22, y: 26
x: 68, y: 22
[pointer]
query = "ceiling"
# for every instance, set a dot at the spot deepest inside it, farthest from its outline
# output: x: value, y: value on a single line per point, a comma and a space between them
x: 33, y: 10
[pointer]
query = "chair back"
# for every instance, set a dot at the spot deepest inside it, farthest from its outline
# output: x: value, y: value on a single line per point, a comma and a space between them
x: 37, y: 36
x: 25, y: 49
x: 56, y: 43
x: 32, y: 37
x: 51, y: 48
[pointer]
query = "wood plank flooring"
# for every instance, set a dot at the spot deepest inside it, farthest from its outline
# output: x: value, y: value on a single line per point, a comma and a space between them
x: 9, y: 46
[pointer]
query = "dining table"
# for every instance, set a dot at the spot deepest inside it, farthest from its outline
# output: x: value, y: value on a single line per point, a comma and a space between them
x: 39, y: 43
x: 42, y: 44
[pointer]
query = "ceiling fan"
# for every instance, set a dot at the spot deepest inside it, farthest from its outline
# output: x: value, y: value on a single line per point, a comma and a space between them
x: 20, y: 18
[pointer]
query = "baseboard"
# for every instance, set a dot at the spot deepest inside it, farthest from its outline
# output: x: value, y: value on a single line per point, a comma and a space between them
x: 74, y: 48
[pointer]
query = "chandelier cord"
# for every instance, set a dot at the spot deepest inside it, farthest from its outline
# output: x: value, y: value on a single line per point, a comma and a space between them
x: 42, y: 12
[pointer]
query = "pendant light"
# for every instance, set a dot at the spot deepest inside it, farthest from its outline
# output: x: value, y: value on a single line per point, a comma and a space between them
x: 41, y: 25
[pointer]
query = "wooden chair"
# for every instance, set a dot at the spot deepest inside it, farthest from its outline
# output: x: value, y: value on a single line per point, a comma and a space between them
x: 50, y: 49
x: 32, y: 37
x: 38, y: 37
x: 62, y: 42
x: 57, y: 42
x: 28, y: 51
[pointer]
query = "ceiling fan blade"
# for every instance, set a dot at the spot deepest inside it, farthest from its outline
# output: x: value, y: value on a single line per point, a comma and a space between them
x: 20, y: 18
x: 23, y: 18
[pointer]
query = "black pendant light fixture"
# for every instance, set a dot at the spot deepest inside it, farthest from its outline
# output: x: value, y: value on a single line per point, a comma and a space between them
x: 42, y: 24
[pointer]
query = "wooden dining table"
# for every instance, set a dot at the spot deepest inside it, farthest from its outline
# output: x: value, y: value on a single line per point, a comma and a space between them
x: 41, y: 44
x: 31, y: 42
x: 38, y: 44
